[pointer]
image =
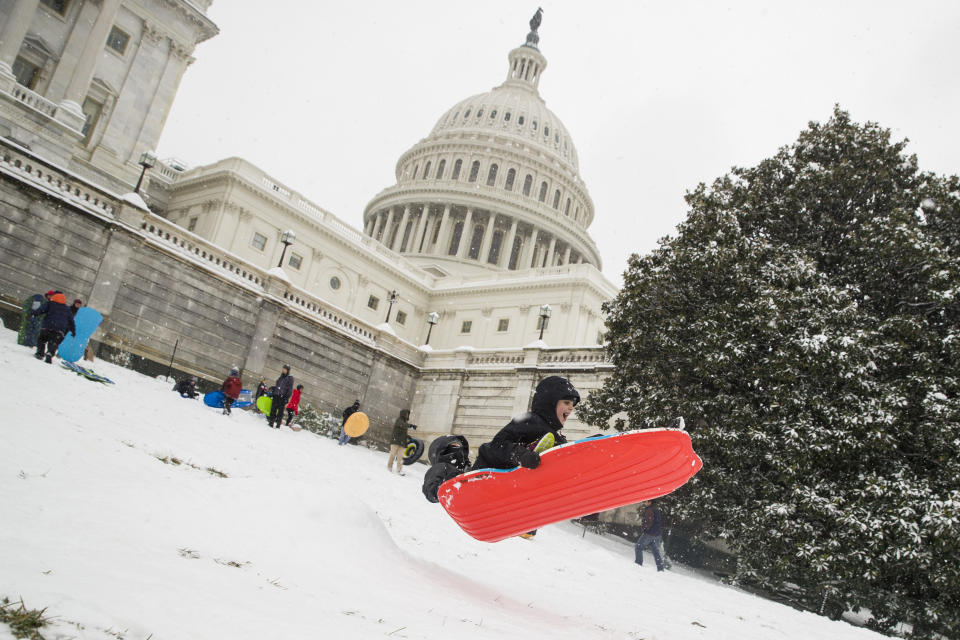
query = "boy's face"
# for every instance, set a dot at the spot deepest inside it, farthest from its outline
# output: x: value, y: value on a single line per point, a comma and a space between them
x: 564, y: 409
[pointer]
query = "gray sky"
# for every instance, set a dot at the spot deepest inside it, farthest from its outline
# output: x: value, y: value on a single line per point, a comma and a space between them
x: 658, y: 96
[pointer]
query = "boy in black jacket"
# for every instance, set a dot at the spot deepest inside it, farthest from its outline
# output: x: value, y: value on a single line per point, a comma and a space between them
x: 553, y: 402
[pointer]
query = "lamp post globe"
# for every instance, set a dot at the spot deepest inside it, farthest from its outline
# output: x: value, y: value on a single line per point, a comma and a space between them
x: 432, y: 318
x: 393, y: 298
x: 147, y: 161
x: 286, y: 238
x: 545, y: 313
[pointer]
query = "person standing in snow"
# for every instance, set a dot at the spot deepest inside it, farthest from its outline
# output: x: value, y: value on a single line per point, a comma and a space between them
x: 57, y: 323
x: 231, y: 390
x: 398, y: 440
x: 293, y: 407
x: 651, y: 530
x: 282, y: 391
x: 349, y: 411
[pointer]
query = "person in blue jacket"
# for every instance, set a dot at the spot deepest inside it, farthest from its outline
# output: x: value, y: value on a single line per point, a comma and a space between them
x: 57, y: 323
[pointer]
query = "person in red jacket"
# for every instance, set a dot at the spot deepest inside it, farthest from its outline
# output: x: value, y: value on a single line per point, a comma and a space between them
x: 231, y: 390
x: 293, y: 407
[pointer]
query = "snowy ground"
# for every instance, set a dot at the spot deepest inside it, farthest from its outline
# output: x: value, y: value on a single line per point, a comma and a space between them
x: 301, y: 539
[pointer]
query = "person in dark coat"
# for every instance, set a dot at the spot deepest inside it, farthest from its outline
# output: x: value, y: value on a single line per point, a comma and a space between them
x: 293, y: 407
x: 187, y: 387
x: 552, y: 404
x: 282, y: 391
x: 651, y: 530
x: 231, y: 388
x: 349, y: 411
x: 449, y: 457
x: 57, y: 323
x: 398, y: 440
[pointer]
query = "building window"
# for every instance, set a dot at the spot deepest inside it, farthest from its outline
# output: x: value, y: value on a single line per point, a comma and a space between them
x: 334, y: 283
x: 556, y: 199
x: 492, y: 175
x: 515, y: 253
x: 60, y: 6
x: 456, y: 170
x: 192, y: 224
x: 91, y: 111
x: 259, y: 241
x: 413, y: 174
x: 26, y: 73
x: 503, y: 325
x: 543, y: 192
x: 546, y: 132
x: 493, y: 114
x: 118, y: 40
x: 479, y: 114
x: 466, y: 326
x: 475, y: 241
x: 440, y: 168
x: 534, y: 125
x: 401, y: 317
x: 373, y: 302
x: 566, y: 210
x: 520, y: 121
x: 295, y: 261
x: 527, y: 184
x: 494, y: 255
x: 506, y: 117
x: 474, y: 171
x: 511, y: 176
x: 426, y: 170
x: 455, y: 238
x: 467, y: 114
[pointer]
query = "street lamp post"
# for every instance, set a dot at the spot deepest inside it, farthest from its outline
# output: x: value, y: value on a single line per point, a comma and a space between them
x: 545, y: 313
x: 147, y: 161
x: 432, y: 318
x: 392, y: 299
x: 287, y: 238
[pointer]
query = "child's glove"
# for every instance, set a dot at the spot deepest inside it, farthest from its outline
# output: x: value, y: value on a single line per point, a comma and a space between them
x: 529, y: 459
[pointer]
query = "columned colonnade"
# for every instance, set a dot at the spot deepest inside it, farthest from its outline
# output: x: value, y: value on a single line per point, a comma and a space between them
x: 468, y: 233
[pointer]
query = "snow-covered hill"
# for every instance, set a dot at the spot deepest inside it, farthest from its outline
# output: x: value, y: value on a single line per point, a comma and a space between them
x: 116, y: 517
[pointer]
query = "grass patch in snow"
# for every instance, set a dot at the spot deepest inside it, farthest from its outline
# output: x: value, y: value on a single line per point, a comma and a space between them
x: 23, y: 622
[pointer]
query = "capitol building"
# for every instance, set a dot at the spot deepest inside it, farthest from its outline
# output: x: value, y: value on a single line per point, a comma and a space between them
x: 474, y: 274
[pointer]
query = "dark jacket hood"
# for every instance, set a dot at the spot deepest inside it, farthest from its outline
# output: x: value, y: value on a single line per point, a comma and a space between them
x: 549, y: 392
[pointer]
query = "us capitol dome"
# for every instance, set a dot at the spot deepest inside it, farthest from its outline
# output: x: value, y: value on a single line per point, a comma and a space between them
x: 495, y: 186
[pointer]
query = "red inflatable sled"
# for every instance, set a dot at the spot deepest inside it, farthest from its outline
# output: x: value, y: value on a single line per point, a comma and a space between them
x: 572, y: 480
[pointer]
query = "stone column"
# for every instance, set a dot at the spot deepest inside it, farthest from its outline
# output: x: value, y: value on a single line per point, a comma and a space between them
x: 464, y: 247
x: 528, y: 251
x: 566, y: 254
x: 371, y: 225
x: 397, y: 244
x: 553, y: 243
x: 487, y: 239
x: 418, y: 233
x: 11, y: 38
x: 504, y: 260
x: 442, y: 241
x: 70, y: 111
x: 385, y: 235
x: 178, y: 59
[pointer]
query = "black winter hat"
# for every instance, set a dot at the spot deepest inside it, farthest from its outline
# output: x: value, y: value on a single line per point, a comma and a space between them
x: 550, y: 391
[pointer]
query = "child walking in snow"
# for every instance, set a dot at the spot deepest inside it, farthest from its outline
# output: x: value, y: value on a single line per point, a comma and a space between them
x: 293, y: 407
x: 231, y: 390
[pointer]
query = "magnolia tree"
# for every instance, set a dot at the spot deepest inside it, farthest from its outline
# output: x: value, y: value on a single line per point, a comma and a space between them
x: 804, y: 321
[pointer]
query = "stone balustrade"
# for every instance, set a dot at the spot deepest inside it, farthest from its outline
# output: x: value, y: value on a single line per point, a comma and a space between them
x: 34, y: 100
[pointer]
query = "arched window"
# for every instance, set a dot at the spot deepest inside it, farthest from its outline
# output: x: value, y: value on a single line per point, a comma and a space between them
x: 493, y: 114
x: 474, y: 171
x: 479, y: 114
x: 511, y: 176
x: 492, y: 175
x: 546, y: 132
x: 456, y: 169
x: 556, y: 199
x: 494, y: 255
x: 566, y: 209
x: 426, y: 170
x: 440, y: 168
x: 467, y: 114
x: 520, y: 121
x: 455, y: 238
x: 416, y: 168
x: 543, y: 192
x: 527, y: 184
x: 506, y: 117
x: 534, y: 125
